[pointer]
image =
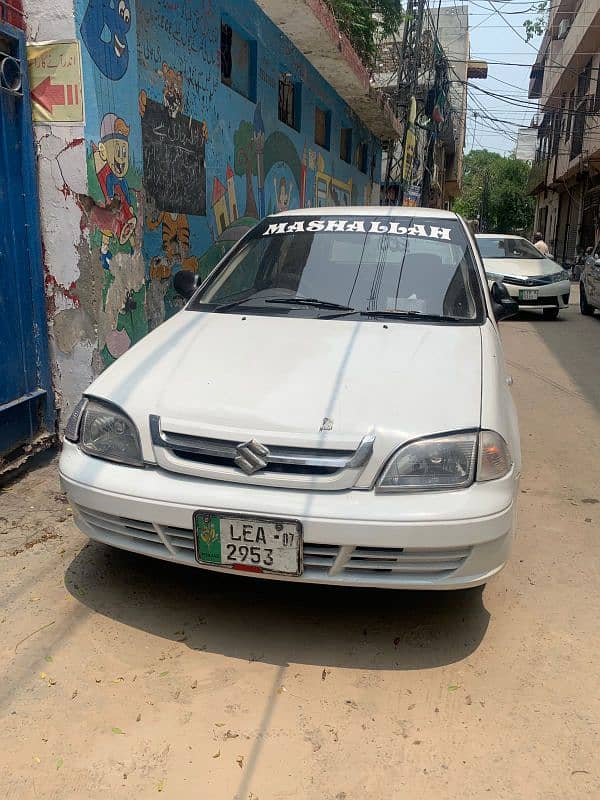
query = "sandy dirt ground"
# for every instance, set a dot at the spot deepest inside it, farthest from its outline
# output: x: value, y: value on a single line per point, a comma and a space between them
x: 126, y: 677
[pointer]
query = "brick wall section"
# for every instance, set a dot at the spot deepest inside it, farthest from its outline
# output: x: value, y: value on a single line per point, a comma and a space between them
x: 340, y: 40
x: 11, y: 11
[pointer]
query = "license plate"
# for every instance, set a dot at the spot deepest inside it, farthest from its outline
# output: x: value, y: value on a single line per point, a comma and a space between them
x: 248, y: 543
x: 528, y: 294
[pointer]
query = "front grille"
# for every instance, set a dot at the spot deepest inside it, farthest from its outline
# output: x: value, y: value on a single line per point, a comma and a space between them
x: 374, y: 562
x: 123, y: 532
x: 542, y: 280
x: 223, y: 459
x: 359, y: 564
x: 289, y: 469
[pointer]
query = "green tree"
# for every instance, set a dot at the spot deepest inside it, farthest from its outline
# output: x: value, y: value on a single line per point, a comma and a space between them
x: 246, y: 163
x: 537, y: 25
x: 494, y: 192
x: 365, y: 22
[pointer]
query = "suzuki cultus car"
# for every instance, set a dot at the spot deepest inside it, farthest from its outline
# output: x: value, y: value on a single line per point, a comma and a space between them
x: 331, y: 406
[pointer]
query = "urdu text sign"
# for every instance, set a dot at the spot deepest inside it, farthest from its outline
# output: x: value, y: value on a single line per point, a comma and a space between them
x: 56, y: 83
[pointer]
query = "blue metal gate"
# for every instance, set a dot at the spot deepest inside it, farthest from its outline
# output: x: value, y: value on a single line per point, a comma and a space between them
x: 26, y: 403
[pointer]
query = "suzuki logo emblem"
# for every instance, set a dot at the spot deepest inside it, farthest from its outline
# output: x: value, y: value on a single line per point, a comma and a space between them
x: 251, y: 456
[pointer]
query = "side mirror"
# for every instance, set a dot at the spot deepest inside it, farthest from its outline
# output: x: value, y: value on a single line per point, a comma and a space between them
x: 185, y: 283
x: 503, y: 304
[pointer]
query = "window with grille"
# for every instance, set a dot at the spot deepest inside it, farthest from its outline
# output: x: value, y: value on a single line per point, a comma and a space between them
x: 289, y: 101
x: 346, y: 145
x: 322, y: 127
x: 578, y: 129
x: 238, y: 61
x: 362, y: 157
x: 555, y: 132
x: 570, y: 116
x: 583, y: 81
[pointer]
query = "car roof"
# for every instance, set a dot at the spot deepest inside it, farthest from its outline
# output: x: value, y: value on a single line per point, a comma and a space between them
x: 371, y: 211
x: 499, y: 236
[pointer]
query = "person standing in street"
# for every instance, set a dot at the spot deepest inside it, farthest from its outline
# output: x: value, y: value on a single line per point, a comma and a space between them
x: 540, y: 244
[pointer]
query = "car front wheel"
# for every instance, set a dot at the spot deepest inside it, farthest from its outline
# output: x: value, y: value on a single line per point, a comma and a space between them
x: 584, y: 306
x: 550, y: 313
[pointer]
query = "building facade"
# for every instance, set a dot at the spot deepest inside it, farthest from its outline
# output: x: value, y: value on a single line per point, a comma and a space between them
x: 565, y: 176
x: 201, y: 116
x: 437, y: 134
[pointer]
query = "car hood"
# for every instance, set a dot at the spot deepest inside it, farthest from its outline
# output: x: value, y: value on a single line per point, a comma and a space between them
x: 521, y: 267
x: 299, y: 381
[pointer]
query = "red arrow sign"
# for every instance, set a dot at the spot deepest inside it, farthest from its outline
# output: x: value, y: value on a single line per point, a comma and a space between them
x: 47, y: 96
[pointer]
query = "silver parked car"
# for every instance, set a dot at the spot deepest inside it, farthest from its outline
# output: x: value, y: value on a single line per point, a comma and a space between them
x: 589, y: 282
x: 533, y: 280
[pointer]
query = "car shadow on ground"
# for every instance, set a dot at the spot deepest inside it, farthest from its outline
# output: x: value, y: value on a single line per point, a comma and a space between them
x: 570, y: 338
x: 278, y: 622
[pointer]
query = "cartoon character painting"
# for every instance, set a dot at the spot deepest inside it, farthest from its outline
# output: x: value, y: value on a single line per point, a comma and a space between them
x: 172, y: 92
x: 111, y: 162
x: 283, y: 195
x: 175, y: 244
x: 104, y: 30
x: 175, y: 226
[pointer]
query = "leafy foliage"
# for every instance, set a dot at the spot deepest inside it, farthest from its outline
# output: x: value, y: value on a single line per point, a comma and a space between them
x: 356, y: 19
x: 537, y: 25
x: 494, y: 190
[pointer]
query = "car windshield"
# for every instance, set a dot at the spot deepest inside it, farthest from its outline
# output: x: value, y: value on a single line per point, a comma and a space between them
x: 351, y: 265
x: 507, y: 247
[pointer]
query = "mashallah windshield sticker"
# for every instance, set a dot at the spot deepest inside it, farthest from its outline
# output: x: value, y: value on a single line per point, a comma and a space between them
x: 358, y: 226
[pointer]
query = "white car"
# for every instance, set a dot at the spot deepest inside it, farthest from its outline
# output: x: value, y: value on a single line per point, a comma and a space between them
x: 331, y: 406
x: 533, y: 280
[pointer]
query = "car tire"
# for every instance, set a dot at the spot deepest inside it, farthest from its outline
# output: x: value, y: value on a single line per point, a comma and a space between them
x: 585, y: 308
x: 550, y: 313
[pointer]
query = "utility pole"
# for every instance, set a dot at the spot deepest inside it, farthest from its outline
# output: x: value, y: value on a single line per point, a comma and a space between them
x: 408, y: 79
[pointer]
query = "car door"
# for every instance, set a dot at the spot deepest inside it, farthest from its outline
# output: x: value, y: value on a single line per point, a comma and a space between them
x: 592, y: 282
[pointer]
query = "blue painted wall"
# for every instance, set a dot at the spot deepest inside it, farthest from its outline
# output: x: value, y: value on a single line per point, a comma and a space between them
x: 215, y: 160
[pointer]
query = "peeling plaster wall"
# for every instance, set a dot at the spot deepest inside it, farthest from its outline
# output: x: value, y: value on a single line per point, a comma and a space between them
x: 61, y: 172
x: 174, y: 164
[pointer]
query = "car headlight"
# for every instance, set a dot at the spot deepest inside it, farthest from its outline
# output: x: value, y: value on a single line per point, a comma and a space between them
x: 494, y: 276
x: 104, y: 431
x: 453, y: 461
x: 563, y: 275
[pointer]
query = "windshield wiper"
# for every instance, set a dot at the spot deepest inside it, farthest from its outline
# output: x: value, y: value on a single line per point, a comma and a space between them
x: 300, y: 301
x: 380, y: 312
x: 309, y: 301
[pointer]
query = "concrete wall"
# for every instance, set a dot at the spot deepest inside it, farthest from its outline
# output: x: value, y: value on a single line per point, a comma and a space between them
x: 62, y: 175
x: 173, y: 164
x: 453, y: 33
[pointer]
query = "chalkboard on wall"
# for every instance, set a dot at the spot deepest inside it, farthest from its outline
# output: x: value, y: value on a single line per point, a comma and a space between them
x: 174, y: 174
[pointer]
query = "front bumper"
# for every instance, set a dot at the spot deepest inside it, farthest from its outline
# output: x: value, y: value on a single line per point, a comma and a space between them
x: 441, y: 540
x: 549, y: 295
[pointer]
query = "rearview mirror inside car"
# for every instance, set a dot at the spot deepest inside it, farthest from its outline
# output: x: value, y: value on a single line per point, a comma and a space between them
x: 504, y: 305
x: 185, y: 283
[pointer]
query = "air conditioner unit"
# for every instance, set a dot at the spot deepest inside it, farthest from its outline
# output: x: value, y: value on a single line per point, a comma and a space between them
x: 563, y: 28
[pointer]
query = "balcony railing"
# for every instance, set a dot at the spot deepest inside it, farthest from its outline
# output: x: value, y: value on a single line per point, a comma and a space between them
x: 578, y: 129
x: 537, y: 176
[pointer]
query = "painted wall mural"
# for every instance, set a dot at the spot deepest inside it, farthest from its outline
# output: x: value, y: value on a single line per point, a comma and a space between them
x: 104, y: 30
x: 186, y: 151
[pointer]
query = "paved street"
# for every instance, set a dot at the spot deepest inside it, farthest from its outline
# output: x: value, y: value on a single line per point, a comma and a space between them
x: 127, y: 677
